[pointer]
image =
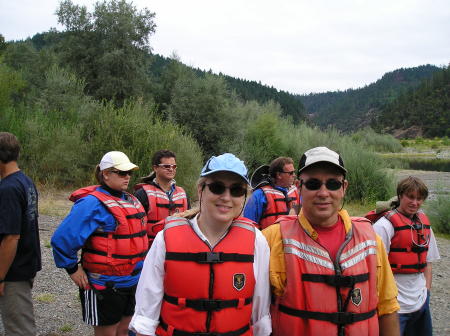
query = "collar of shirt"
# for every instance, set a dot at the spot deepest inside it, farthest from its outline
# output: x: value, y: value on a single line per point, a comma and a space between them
x: 172, y: 187
x: 313, y: 233
x: 194, y: 225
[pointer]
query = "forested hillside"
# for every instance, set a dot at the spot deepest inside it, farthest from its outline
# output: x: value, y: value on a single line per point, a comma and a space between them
x: 72, y: 95
x: 427, y: 108
x: 355, y: 108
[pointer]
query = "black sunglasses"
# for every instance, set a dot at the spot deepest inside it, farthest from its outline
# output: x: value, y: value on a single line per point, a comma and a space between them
x: 315, y: 184
x: 218, y: 188
x: 289, y: 172
x: 122, y: 173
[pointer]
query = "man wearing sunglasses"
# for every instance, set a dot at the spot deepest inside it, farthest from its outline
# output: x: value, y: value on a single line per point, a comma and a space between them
x: 159, y: 194
x: 275, y: 197
x: 329, y: 272
x: 412, y: 248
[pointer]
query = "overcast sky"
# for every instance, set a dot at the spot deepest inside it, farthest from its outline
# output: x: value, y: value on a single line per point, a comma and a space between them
x: 293, y: 45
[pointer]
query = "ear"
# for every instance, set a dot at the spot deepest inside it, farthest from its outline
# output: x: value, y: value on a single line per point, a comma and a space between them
x: 345, y: 186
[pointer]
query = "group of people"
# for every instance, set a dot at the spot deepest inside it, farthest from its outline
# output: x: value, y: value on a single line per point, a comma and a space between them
x: 151, y: 265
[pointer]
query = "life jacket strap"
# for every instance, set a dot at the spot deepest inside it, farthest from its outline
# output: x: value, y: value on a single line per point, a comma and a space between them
x: 206, y: 305
x: 209, y: 257
x: 414, y: 266
x: 177, y: 332
x: 336, y: 280
x: 115, y: 256
x: 339, y: 318
x: 118, y: 236
x: 138, y: 215
x: 275, y: 214
x: 416, y: 249
x: 416, y: 227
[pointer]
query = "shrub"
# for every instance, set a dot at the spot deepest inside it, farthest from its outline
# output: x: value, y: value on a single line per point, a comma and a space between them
x: 438, y: 211
x: 367, y: 137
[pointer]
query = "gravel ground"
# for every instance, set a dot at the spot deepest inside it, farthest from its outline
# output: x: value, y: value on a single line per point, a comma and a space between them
x: 58, y: 310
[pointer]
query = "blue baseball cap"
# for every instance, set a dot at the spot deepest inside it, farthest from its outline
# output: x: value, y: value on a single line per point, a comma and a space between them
x: 225, y: 163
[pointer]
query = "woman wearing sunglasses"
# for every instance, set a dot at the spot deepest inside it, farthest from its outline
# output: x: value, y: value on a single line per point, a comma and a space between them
x: 208, y: 274
x: 109, y: 226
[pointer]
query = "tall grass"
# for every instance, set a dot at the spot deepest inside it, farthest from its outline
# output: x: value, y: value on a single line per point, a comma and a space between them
x: 438, y: 210
x: 64, y: 134
x: 368, y: 138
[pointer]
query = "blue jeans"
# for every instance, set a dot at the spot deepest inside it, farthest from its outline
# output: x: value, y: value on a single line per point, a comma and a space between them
x: 417, y: 323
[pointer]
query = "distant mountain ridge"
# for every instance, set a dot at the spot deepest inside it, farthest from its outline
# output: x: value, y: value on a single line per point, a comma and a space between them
x: 422, y: 111
x: 355, y: 108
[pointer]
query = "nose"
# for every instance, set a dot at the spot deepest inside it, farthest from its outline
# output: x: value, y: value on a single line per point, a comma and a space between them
x: 226, y: 194
x: 323, y: 191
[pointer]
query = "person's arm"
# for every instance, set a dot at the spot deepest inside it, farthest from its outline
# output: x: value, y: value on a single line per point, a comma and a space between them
x: 389, y: 324
x: 150, y: 290
x: 261, y: 297
x: 254, y: 208
x: 8, y: 249
x: 86, y: 216
x: 428, y: 274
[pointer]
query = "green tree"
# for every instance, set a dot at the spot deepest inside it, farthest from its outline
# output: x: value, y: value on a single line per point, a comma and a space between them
x: 108, y: 47
x: 205, y: 107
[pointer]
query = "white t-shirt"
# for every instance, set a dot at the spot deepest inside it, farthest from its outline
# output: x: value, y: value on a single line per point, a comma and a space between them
x: 412, y: 290
x: 150, y: 289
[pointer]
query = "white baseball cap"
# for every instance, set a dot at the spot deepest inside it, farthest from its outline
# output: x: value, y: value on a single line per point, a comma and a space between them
x: 320, y: 154
x: 117, y: 160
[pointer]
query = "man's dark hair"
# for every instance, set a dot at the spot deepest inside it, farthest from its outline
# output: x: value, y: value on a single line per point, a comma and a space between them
x: 9, y: 147
x: 163, y: 153
x: 277, y: 165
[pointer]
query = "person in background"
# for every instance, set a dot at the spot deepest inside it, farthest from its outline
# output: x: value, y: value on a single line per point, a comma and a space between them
x: 109, y: 225
x: 207, y: 275
x: 411, y: 247
x: 20, y: 251
x: 275, y: 198
x: 159, y: 194
x: 329, y: 272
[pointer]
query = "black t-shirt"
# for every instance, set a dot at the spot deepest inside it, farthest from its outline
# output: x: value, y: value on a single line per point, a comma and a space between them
x: 19, y: 216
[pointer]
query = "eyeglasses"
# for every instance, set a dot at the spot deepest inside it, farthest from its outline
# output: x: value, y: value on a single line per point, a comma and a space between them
x: 218, y: 188
x: 315, y: 184
x: 289, y: 172
x: 167, y: 166
x: 122, y: 173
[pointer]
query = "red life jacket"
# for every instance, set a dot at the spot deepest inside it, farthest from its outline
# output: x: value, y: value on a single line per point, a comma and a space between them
x: 409, y: 245
x: 160, y: 206
x: 115, y: 253
x: 208, y: 291
x: 373, y: 216
x: 278, y: 204
x: 310, y: 304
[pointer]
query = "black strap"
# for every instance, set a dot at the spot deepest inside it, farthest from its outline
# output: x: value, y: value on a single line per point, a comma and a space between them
x: 414, y: 266
x: 207, y: 305
x: 138, y: 215
x: 117, y: 236
x: 178, y: 332
x: 340, y: 318
x: 209, y: 257
x: 115, y: 256
x: 153, y: 221
x: 336, y: 280
x: 169, y: 206
x: 275, y: 214
x: 415, y: 249
x: 414, y: 226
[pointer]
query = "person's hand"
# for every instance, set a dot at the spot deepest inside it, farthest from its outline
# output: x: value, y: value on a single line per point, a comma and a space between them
x: 2, y: 288
x: 80, y: 278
